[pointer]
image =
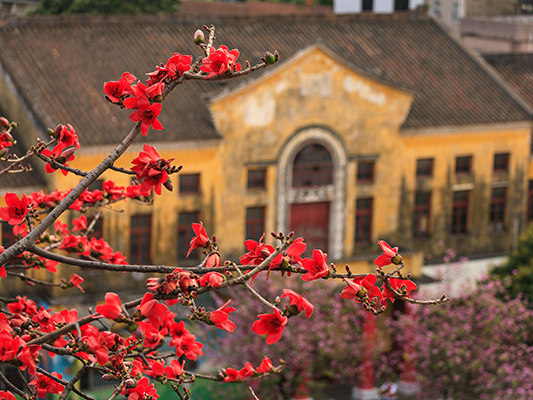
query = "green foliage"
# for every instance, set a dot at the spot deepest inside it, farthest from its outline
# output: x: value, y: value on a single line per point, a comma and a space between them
x: 517, y: 273
x: 49, y: 7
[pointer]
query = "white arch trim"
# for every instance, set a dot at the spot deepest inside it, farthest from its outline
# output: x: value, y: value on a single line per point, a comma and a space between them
x: 335, y: 193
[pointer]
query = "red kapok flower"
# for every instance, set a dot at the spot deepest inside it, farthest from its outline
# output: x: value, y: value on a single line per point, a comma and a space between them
x: 232, y: 375
x: 270, y: 324
x: 148, y: 116
x: 390, y: 255
x: 257, y: 252
x: 317, y: 267
x: 16, y: 209
x: 151, y: 169
x: 66, y: 136
x: 80, y: 224
x: 357, y: 288
x: 298, y: 303
x: 43, y: 384
x: 397, y: 284
x: 200, y: 240
x: 220, y: 61
x: 152, y: 309
x: 220, y: 317
x: 112, y: 308
x: 61, y: 155
x: 116, y: 90
x: 266, y: 366
x: 175, y: 369
x: 76, y: 281
x: 247, y: 371
x: 212, y: 279
x: 7, y: 395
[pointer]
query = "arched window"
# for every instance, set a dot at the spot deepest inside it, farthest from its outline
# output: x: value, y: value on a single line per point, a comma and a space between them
x: 312, y: 166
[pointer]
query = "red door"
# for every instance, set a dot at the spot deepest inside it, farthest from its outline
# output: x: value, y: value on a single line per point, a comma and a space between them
x: 311, y: 221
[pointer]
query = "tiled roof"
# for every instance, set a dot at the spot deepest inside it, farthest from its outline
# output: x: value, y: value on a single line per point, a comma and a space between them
x: 59, y: 64
x: 517, y: 70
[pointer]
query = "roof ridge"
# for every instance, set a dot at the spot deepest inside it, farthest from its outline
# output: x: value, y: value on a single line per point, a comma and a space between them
x: 96, y: 19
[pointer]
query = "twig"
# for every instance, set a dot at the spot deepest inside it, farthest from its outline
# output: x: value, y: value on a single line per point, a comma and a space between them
x: 253, y: 393
x: 13, y: 387
x: 255, y: 293
x: 23, y: 379
x: 49, y: 337
x: 72, y: 382
x: 20, y: 160
x: 400, y: 296
x: 32, y: 280
x: 117, y: 390
x: 64, y: 383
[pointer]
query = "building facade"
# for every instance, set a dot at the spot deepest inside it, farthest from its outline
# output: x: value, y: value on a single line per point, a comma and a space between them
x: 378, y: 127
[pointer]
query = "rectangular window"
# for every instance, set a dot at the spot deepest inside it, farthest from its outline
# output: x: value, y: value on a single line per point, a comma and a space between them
x: 424, y: 168
x: 501, y: 163
x: 140, y: 239
x: 365, y: 172
x: 497, y: 209
x: 256, y: 179
x: 189, y: 183
x: 421, y: 214
x: 460, y: 211
x: 185, y: 234
x: 255, y: 222
x: 368, y: 5
x: 363, y: 220
x: 463, y: 165
x: 401, y: 5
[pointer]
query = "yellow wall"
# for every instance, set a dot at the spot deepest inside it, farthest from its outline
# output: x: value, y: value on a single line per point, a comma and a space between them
x: 362, y: 115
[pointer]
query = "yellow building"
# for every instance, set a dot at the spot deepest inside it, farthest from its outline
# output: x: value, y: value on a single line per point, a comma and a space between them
x: 370, y: 127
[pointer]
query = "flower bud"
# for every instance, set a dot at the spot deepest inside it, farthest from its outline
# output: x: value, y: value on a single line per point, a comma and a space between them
x: 292, y: 310
x: 8, y: 136
x: 168, y: 185
x: 199, y: 37
x: 107, y: 377
x: 57, y: 131
x: 66, y: 155
x: 4, y: 122
x: 132, y: 327
x: 265, y: 253
x: 361, y: 293
x: 397, y: 259
x: 270, y: 58
x: 130, y: 383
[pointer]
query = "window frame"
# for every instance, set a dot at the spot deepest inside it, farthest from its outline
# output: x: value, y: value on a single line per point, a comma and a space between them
x: 254, y: 182
x: 460, y: 207
x: 254, y: 225
x: 419, y: 209
x: 367, y: 5
x: 501, y: 166
x: 310, y: 170
x: 137, y: 234
x: 497, y: 209
x: 362, y: 235
x: 463, y: 171
x: 424, y: 172
x: 364, y: 177
x: 185, y: 189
